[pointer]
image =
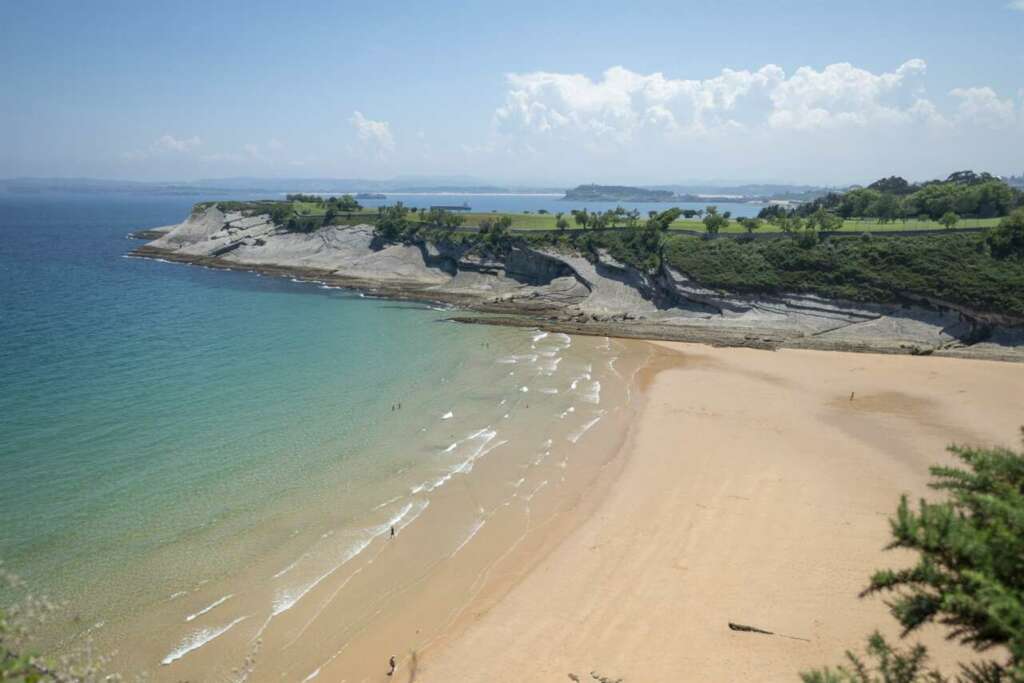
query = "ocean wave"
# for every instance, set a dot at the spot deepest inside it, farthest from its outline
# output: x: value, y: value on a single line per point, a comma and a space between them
x: 212, y: 605
x: 484, y: 437
x: 568, y: 411
x: 575, y: 436
x: 539, y: 335
x: 584, y: 377
x: 287, y: 598
x: 535, y: 490
x: 472, y: 532
x: 286, y: 569
x: 387, y: 502
x: 520, y: 358
x: 548, y: 390
x: 197, y: 639
x: 550, y: 366
x: 447, y: 416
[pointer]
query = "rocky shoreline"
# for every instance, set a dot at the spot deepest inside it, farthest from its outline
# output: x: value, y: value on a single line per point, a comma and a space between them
x: 563, y: 292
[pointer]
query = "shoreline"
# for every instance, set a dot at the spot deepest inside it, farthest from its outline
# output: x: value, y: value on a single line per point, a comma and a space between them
x: 489, y: 310
x: 498, y: 499
x: 695, y: 532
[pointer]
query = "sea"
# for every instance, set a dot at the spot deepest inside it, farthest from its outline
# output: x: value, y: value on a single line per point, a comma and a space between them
x: 207, y: 469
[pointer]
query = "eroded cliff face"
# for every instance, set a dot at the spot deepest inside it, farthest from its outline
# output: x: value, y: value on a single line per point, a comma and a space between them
x: 573, y: 293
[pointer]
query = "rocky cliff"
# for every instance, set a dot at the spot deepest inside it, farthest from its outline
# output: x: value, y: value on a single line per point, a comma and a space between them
x: 568, y: 292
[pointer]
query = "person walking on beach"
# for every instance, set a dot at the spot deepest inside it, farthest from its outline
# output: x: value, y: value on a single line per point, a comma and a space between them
x: 392, y: 531
x: 393, y: 663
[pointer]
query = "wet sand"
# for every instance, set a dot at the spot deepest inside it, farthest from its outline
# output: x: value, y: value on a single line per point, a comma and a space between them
x: 752, y: 490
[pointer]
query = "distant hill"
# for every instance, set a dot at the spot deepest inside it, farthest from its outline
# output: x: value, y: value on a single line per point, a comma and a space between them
x: 254, y: 186
x: 694, y: 193
x: 617, y: 193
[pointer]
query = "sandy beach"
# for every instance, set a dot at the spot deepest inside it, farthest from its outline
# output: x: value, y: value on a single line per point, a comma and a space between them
x: 752, y: 489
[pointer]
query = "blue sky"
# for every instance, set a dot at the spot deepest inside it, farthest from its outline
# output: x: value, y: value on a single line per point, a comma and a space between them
x: 531, y: 92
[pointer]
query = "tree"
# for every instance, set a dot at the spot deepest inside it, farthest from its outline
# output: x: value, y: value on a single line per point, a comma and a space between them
x: 969, y: 574
x: 749, y: 224
x: 1007, y: 238
x: 347, y: 203
x: 714, y: 221
x: 582, y: 218
x: 560, y: 221
x: 822, y: 220
x: 662, y: 221
x: 392, y: 221
x: 949, y: 219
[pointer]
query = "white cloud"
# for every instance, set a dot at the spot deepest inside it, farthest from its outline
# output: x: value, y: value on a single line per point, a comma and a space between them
x: 838, y: 95
x: 983, y: 106
x: 623, y: 104
x: 624, y: 101
x: 170, y: 143
x: 376, y: 134
x: 1017, y: 5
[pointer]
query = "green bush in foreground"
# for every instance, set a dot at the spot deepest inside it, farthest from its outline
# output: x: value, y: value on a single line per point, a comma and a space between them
x: 969, y: 576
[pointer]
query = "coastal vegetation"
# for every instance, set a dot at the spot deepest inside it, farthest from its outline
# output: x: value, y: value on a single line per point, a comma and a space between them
x: 964, y: 194
x: 968, y: 576
x: 981, y: 271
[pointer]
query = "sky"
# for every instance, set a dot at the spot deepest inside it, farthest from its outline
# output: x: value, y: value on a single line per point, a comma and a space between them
x: 536, y: 93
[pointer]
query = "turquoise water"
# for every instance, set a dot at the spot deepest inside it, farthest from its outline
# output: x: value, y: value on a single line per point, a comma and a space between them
x: 197, y: 460
x: 147, y: 404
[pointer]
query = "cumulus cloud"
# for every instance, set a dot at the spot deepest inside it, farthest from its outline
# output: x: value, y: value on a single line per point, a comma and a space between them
x: 375, y: 134
x: 622, y: 103
x: 173, y: 144
x: 983, y: 106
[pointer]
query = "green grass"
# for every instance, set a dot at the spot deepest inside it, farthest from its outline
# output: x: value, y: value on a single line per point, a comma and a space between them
x: 538, y: 221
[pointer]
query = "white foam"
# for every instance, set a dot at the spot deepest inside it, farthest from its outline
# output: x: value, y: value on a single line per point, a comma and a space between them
x: 287, y: 598
x: 565, y: 413
x: 549, y: 390
x: 473, y: 532
x: 575, y: 436
x: 312, y: 675
x: 540, y: 335
x: 286, y: 569
x: 212, y: 605
x: 534, y: 492
x: 447, y: 416
x: 177, y: 595
x: 197, y: 639
x: 524, y: 389
x: 387, y: 502
x: 593, y: 395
